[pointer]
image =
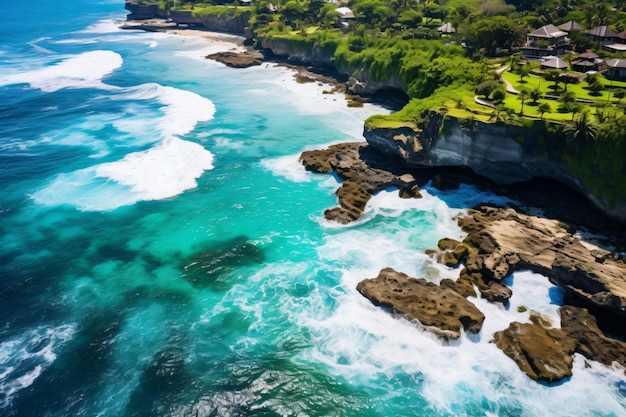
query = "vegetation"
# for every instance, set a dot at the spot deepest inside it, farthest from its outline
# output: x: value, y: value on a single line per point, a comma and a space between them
x: 398, y: 39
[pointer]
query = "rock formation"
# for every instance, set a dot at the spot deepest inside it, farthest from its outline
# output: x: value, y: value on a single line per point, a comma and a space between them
x: 237, y: 59
x: 503, y: 153
x: 364, y: 173
x: 542, y: 354
x: 502, y: 241
x: 441, y: 310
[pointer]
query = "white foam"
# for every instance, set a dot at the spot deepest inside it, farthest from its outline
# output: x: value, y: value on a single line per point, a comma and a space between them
x: 182, y: 109
x: 289, y: 167
x: 160, y: 172
x: 80, y: 71
x: 164, y: 171
x: 24, y: 358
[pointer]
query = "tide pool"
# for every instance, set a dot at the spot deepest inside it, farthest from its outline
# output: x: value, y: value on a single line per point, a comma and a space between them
x: 164, y: 253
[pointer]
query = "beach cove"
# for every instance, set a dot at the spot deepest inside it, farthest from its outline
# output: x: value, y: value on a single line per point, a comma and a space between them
x: 165, y: 252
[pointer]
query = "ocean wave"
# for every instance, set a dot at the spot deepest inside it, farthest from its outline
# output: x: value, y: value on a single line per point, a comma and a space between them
x: 24, y: 358
x: 85, y: 70
x: 182, y: 109
x: 163, y: 171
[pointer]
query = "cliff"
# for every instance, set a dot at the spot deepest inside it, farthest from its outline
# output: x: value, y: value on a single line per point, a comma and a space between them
x: 359, y: 80
x: 222, y: 23
x: 502, y: 153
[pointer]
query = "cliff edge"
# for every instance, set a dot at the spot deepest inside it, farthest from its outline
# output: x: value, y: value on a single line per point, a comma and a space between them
x: 503, y: 153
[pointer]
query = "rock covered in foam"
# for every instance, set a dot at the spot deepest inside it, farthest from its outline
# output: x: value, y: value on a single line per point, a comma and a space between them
x: 441, y: 310
x: 364, y: 171
x: 542, y: 354
x: 503, y: 241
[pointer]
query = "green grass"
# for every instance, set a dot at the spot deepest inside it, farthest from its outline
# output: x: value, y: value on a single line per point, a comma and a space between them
x: 532, y: 82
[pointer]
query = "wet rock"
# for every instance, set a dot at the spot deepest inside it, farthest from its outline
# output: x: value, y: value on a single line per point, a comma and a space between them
x: 591, y: 342
x: 501, y: 241
x: 238, y: 59
x: 542, y: 354
x: 438, y: 308
x: 364, y: 173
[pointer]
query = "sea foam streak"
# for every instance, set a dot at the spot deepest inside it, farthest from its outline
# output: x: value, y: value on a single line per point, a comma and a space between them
x: 163, y: 171
x: 166, y: 170
x: 24, y: 358
x: 81, y: 71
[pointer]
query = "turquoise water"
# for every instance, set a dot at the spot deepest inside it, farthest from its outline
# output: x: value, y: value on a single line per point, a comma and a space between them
x: 164, y: 254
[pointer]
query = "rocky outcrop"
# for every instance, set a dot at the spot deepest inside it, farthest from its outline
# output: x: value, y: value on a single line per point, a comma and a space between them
x: 591, y: 342
x: 238, y: 59
x: 503, y: 153
x: 542, y: 354
x: 364, y: 173
x: 144, y: 11
x: 503, y: 240
x: 439, y: 309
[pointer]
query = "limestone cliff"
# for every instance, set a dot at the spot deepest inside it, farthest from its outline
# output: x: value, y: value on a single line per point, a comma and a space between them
x: 359, y: 80
x: 144, y: 11
x: 223, y: 23
x: 503, y: 153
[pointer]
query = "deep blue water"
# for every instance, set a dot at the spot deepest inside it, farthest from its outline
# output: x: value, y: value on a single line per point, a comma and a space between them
x: 162, y: 252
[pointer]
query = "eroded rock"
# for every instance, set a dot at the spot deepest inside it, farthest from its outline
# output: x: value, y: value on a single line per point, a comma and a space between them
x: 364, y: 173
x: 542, y: 354
x: 591, y: 342
x: 440, y: 309
x: 238, y: 59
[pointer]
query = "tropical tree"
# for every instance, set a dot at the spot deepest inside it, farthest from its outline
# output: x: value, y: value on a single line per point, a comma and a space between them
x: 523, y: 96
x: 535, y: 95
x: 543, y: 108
x: 553, y: 75
x: 579, y: 133
x: 619, y: 94
x: 595, y: 85
x: 523, y: 72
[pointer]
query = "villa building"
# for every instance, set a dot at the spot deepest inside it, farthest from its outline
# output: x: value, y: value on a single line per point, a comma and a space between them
x: 548, y: 40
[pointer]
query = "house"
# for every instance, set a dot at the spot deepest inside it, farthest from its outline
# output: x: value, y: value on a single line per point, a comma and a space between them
x: 602, y: 35
x: 548, y: 40
x: 446, y: 29
x: 345, y: 16
x: 619, y: 45
x: 587, y: 61
x: 553, y: 62
x: 616, y: 69
x: 570, y: 26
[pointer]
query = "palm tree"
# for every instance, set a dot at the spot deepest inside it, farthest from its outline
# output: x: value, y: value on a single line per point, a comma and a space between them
x: 523, y: 72
x: 580, y: 133
x: 523, y: 96
x: 535, y: 95
x: 544, y: 108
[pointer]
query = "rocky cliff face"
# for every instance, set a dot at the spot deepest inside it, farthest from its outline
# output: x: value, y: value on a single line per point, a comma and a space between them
x: 359, y: 81
x: 218, y: 23
x: 504, y: 154
x: 144, y: 11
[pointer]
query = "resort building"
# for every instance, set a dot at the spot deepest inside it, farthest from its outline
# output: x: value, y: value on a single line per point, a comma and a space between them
x: 616, y: 69
x: 587, y: 61
x: 548, y: 40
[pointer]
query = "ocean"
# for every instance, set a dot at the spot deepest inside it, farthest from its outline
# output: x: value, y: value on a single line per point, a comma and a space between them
x: 163, y: 252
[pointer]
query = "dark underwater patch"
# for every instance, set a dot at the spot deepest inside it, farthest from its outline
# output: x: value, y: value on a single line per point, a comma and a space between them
x: 213, y: 266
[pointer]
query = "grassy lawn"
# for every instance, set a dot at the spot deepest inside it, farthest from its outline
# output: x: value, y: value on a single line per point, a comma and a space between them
x: 532, y: 82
